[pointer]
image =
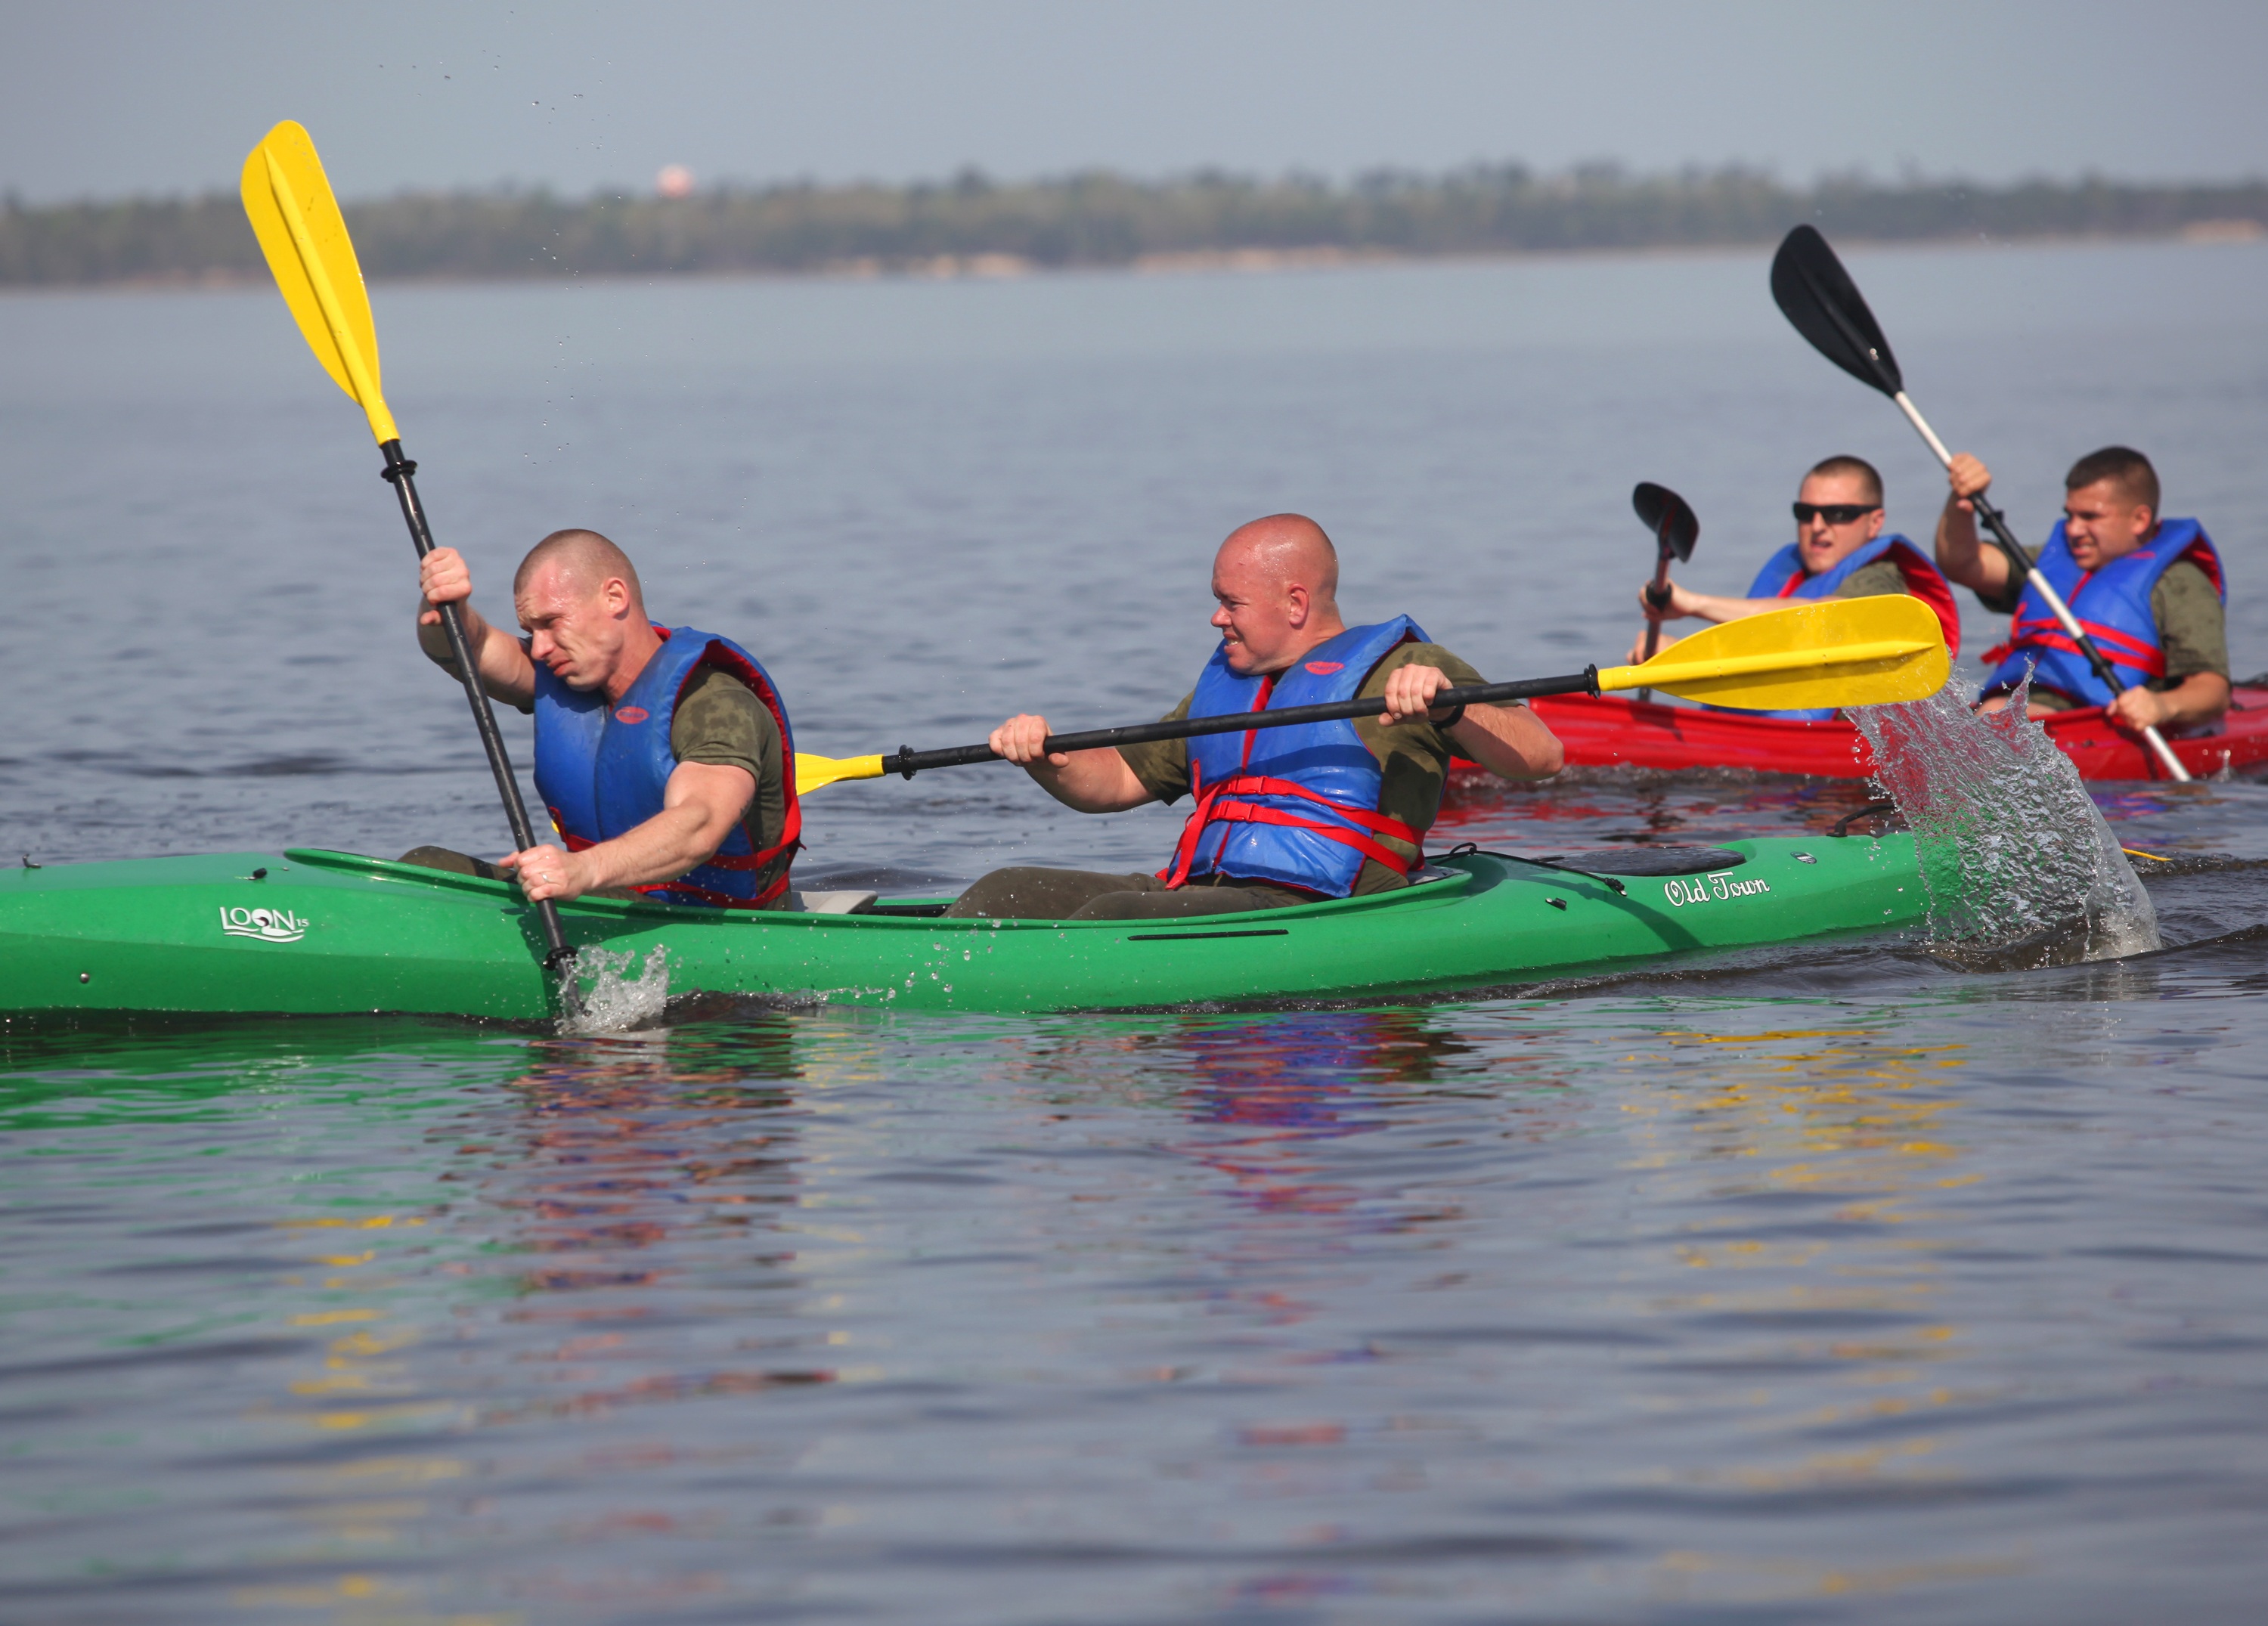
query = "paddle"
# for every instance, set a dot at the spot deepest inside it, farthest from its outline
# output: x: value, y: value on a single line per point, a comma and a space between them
x: 1676, y: 530
x: 1835, y: 652
x: 301, y: 231
x: 1816, y: 294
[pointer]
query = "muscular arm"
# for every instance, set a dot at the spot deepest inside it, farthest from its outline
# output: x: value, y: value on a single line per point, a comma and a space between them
x: 2193, y: 630
x: 506, y: 672
x: 700, y: 805
x: 1510, y: 742
x: 1096, y: 782
x: 1961, y: 553
x: 2201, y: 697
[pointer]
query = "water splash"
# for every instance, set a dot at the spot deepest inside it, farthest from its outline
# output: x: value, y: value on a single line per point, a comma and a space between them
x: 2021, y: 869
x: 600, y: 994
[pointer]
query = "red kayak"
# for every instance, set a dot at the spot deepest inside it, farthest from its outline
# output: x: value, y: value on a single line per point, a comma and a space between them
x: 1612, y: 732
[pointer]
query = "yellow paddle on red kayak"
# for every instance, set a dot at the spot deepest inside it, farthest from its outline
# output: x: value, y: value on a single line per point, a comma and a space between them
x: 1836, y: 654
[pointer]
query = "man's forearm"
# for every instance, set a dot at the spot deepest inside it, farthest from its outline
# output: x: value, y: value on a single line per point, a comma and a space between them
x: 2200, y: 697
x: 673, y: 840
x: 1093, y: 782
x: 1963, y: 558
x: 1510, y: 742
x: 434, y: 639
x: 501, y: 662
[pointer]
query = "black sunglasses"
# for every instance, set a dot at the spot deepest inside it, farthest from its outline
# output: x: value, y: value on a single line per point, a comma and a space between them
x: 1834, y: 513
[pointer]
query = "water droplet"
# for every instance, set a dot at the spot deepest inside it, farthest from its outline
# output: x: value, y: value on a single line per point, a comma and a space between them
x: 2020, y: 868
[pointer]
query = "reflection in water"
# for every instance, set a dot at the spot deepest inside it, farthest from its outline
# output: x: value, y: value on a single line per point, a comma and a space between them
x: 632, y: 1154
x: 1575, y: 1308
x: 620, y: 1168
x: 627, y: 1137
x: 1838, y: 1140
x: 1271, y: 1087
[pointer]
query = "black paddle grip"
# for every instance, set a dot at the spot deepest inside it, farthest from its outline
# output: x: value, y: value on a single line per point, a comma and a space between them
x: 910, y: 763
x: 401, y: 473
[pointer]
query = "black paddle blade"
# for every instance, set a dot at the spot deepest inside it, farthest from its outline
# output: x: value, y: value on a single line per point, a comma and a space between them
x: 1814, y: 291
x: 1665, y: 514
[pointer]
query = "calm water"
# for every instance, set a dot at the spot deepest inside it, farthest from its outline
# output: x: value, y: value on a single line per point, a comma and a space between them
x: 1836, y: 1284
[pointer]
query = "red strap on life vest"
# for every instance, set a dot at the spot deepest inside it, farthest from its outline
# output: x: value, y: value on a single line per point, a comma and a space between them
x: 573, y: 843
x: 2027, y: 631
x: 1220, y: 805
x: 791, y: 840
x: 739, y: 863
x: 704, y: 894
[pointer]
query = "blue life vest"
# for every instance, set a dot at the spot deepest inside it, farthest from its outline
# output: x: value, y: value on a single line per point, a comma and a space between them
x: 1296, y: 805
x: 601, y: 770
x: 1783, y: 577
x: 2111, y: 602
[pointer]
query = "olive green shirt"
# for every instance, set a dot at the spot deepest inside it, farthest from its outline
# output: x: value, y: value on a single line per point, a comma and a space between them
x: 2192, y: 630
x: 1873, y: 581
x: 720, y: 721
x: 1413, y: 759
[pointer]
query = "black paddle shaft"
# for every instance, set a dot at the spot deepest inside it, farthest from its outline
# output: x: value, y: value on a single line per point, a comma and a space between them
x: 1820, y: 300
x: 2005, y: 540
x: 401, y: 473
x: 909, y: 761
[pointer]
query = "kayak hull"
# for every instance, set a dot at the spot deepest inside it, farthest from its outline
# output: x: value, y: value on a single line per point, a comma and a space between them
x: 1612, y: 732
x: 330, y: 933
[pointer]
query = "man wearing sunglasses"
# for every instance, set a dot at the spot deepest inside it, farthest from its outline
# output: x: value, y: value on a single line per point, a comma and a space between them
x: 1840, y: 551
x: 2149, y: 590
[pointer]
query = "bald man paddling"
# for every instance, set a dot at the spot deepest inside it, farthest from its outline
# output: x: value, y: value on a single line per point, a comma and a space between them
x: 1283, y: 815
x: 661, y: 754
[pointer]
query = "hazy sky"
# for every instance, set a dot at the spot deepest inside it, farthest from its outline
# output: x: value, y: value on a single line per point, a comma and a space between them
x: 110, y: 97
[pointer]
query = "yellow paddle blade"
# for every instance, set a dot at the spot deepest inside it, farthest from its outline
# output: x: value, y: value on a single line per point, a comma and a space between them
x: 1835, y: 653
x: 301, y: 231
x: 811, y: 772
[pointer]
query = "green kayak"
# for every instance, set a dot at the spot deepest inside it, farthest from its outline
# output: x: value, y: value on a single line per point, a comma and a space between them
x: 314, y: 932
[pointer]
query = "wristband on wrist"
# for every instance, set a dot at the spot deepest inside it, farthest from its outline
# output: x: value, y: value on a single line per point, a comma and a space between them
x: 1451, y: 720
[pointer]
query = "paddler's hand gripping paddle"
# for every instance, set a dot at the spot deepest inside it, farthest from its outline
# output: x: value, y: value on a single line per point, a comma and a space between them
x: 1817, y: 296
x: 1833, y: 653
x: 304, y: 237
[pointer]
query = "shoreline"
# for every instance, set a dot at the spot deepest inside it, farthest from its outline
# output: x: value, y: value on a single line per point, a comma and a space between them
x: 994, y: 268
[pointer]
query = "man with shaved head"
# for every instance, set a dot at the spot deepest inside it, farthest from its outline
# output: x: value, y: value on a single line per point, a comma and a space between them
x: 662, y: 754
x: 1283, y: 815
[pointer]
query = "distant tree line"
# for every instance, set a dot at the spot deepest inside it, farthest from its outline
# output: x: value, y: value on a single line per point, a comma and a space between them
x: 1092, y: 219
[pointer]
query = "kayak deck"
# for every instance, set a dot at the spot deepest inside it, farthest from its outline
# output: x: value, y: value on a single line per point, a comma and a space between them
x: 313, y: 932
x: 1612, y: 732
